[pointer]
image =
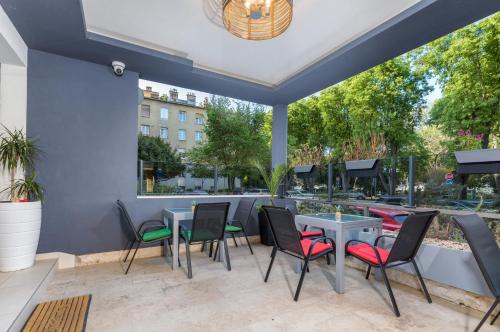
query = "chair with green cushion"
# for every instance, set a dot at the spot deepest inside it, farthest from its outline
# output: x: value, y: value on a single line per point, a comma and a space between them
x: 209, y: 220
x: 150, y: 231
x: 240, y: 220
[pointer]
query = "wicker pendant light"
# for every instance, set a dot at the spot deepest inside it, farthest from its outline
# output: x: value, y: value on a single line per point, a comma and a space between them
x: 257, y: 19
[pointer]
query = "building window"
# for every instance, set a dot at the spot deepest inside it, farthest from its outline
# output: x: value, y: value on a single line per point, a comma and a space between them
x: 198, y: 136
x: 182, y: 135
x: 199, y: 119
x: 164, y: 114
x: 145, y: 111
x: 164, y: 132
x: 145, y: 129
x: 182, y: 116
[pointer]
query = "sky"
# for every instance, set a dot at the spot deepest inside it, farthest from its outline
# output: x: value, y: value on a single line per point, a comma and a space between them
x: 200, y: 96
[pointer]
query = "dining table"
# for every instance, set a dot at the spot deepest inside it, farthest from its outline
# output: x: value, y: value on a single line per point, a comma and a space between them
x: 172, y: 218
x: 344, y: 226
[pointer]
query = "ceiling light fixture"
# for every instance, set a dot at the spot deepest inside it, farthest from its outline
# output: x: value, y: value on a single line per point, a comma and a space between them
x: 257, y: 19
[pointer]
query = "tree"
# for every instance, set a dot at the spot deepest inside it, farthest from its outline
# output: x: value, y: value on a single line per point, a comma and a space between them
x: 155, y: 149
x: 467, y: 66
x: 234, y: 137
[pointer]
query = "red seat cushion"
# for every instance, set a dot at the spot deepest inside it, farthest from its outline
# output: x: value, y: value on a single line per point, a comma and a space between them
x: 304, y: 234
x: 366, y: 252
x: 318, y: 248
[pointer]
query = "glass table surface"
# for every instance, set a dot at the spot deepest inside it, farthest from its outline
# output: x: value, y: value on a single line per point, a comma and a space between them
x: 180, y: 210
x: 344, y: 217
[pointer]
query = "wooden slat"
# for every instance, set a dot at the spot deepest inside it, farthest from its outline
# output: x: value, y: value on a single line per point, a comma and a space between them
x: 62, y: 315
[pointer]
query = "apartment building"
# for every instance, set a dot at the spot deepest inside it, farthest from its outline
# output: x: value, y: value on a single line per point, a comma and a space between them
x: 177, y: 121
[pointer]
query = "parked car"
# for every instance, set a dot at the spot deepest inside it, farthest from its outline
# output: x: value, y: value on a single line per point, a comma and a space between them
x: 393, y: 219
x: 299, y: 194
x: 350, y: 195
x: 256, y: 191
x: 392, y: 200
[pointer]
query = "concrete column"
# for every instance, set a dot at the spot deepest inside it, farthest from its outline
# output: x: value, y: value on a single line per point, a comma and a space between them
x: 280, y: 135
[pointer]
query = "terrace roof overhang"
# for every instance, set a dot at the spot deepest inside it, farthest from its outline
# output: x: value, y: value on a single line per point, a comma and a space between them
x: 90, y: 30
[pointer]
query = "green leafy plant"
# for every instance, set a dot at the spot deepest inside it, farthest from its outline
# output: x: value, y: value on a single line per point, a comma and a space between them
x: 272, y: 179
x: 18, y: 152
x: 28, y: 188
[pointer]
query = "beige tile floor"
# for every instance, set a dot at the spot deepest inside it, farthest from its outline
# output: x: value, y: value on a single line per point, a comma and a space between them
x: 152, y: 297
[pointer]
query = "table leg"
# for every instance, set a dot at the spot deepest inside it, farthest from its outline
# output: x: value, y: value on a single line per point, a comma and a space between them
x: 339, y: 266
x: 175, y: 244
x: 378, y: 272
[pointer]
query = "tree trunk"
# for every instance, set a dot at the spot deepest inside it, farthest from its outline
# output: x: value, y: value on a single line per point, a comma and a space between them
x: 383, y: 181
x: 497, y: 182
x: 392, y: 171
x: 345, y: 181
x: 13, y: 196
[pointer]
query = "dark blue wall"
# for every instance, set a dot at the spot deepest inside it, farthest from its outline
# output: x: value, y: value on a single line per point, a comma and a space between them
x: 85, y: 121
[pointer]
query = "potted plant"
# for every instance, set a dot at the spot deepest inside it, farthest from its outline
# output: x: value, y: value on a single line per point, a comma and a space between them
x: 20, y: 217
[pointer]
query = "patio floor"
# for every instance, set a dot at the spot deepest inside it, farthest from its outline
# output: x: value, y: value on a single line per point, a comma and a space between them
x: 152, y: 297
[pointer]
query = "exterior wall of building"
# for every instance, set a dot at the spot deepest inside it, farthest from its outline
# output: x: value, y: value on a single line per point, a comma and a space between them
x: 173, y: 123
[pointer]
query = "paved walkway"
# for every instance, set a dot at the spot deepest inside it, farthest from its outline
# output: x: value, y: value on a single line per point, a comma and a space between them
x: 154, y: 298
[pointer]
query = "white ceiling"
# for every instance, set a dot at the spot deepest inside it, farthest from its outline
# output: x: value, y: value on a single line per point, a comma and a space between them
x: 193, y: 29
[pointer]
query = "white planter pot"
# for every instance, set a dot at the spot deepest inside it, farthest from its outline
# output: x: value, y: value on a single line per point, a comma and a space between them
x: 19, y: 234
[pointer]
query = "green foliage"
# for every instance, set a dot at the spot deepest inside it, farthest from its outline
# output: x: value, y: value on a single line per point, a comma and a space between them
x: 155, y: 149
x: 466, y: 64
x: 234, y: 137
x: 18, y: 152
x: 272, y: 179
x: 28, y: 188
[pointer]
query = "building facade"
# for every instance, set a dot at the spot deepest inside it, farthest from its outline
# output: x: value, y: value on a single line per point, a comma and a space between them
x: 177, y: 121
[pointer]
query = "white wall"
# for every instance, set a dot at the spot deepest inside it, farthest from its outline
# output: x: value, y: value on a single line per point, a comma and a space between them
x: 13, y: 82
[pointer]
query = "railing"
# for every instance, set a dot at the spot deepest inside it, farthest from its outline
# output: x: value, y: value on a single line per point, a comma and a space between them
x: 441, y: 229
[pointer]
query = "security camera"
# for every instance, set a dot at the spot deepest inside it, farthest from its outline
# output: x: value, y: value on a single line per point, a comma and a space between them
x: 118, y: 68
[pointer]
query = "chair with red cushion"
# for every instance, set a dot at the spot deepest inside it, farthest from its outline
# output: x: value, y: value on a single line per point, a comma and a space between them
x: 403, y: 251
x: 287, y: 240
x: 291, y: 205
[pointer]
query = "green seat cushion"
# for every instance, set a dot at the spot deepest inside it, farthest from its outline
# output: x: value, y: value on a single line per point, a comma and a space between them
x: 189, y: 234
x: 156, y: 234
x: 233, y: 229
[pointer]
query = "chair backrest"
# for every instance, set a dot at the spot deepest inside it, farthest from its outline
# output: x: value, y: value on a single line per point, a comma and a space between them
x: 410, y: 236
x: 126, y: 217
x: 484, y: 247
x: 283, y: 229
x: 287, y: 203
x: 244, y: 210
x: 209, y: 221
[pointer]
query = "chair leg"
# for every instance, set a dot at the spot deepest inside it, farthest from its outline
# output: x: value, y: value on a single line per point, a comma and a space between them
x: 248, y: 242
x: 273, y: 255
x: 488, y: 313
x: 133, y: 256
x: 129, y: 249
x: 389, y: 289
x: 226, y: 253
x: 302, y: 275
x: 368, y: 272
x: 421, y: 281
x: 494, y: 319
x: 170, y: 247
x: 188, y: 259
x: 234, y: 239
x: 216, y: 251
x: 203, y: 246
x: 210, y: 251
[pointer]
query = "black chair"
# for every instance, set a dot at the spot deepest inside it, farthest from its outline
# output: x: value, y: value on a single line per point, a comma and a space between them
x: 485, y: 249
x: 291, y: 205
x: 240, y: 220
x: 150, y: 231
x: 287, y: 240
x: 209, y: 221
x: 403, y: 250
